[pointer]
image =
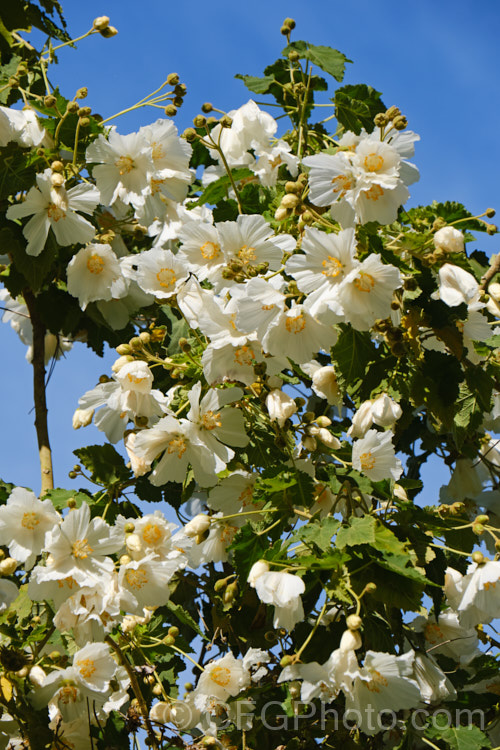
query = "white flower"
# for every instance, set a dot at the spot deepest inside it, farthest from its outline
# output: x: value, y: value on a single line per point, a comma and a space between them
x: 250, y: 241
x: 434, y: 685
x: 216, y: 422
x: 367, y: 291
x: 159, y: 272
x: 449, y: 239
x: 297, y: 335
x: 222, y: 678
x: 479, y: 594
x: 24, y: 521
x: 280, y: 406
x: 144, y: 582
x: 8, y: 593
x: 375, y: 457
x: 456, y: 286
x: 198, y: 525
x: 22, y: 127
x: 283, y: 590
x: 382, y: 410
x: 124, y: 165
x: 55, y: 208
x: 79, y: 548
x: 234, y: 494
x: 82, y: 418
x: 94, y: 273
x: 200, y: 250
x: 258, y: 569
x: 383, y: 684
x: 91, y: 611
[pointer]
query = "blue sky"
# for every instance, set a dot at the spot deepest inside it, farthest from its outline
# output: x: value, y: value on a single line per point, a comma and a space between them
x: 437, y: 60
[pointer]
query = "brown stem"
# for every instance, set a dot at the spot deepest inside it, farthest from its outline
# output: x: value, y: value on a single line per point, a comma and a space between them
x: 490, y: 273
x: 42, y: 430
x: 136, y: 689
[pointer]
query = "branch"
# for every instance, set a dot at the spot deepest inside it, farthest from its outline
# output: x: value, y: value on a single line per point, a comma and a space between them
x: 41, y: 425
x: 490, y: 273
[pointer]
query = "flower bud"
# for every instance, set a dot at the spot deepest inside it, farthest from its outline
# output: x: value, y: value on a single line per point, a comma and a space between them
x: 281, y: 213
x: 491, y: 229
x: 82, y: 418
x: 400, y: 122
x: 178, y: 101
x: 57, y: 166
x: 350, y: 641
x: 125, y: 560
x: 101, y: 23
x: 173, y: 79
x: 280, y: 406
x: 197, y: 525
x: 309, y: 443
x: 129, y: 527
x: 8, y: 566
x: 393, y: 112
x: 71, y: 503
x: 290, y: 201
x: 293, y: 55
x: 157, y: 690
x: 477, y: 528
x: 207, y: 107
x: 381, y: 119
x: 449, y: 239
x: 145, y: 337
x: 84, y: 111
x: 490, y: 213
x: 257, y: 569
x: 180, y: 89
x: 293, y: 187
x: 108, y: 32
x: 226, y: 121
x: 326, y: 437
x: 353, y: 622
x: 170, y: 110
x: 49, y: 101
x: 82, y: 93
x: 84, y: 122
x: 478, y: 557
x: 173, y: 631
x: 169, y: 640
x: 190, y: 135
x: 286, y: 660
x: 199, y: 121
x: 289, y: 22
x: 323, y: 421
x: 482, y: 519
x: 72, y: 107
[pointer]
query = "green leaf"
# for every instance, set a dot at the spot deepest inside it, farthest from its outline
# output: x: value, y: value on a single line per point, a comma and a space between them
x: 105, y: 464
x: 356, y: 106
x: 17, y: 170
x: 360, y: 531
x: 246, y: 549
x: 219, y: 189
x: 184, y: 617
x: 352, y: 353
x: 330, y: 60
x: 318, y: 532
x: 59, y: 498
x: 456, y: 737
x: 34, y: 269
x: 255, y: 84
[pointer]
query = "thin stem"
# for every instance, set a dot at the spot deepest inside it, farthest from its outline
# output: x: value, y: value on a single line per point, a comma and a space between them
x: 314, y: 629
x: 136, y: 689
x: 39, y: 394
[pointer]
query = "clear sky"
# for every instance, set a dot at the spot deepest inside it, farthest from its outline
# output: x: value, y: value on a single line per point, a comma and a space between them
x: 438, y: 60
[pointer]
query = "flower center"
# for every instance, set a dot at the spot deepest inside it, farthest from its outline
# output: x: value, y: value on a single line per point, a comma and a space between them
x: 433, y: 633
x: 210, y: 250
x: 373, y: 162
x: 68, y: 694
x: 166, y: 277
x: 377, y: 682
x: 295, y: 324
x: 490, y: 585
x: 55, y: 212
x: 86, y: 668
x: 136, y: 579
x: 177, y: 445
x: 210, y: 420
x: 243, y: 355
x: 332, y: 267
x: 364, y: 282
x: 247, y: 254
x: 30, y: 520
x: 134, y: 379
x: 152, y: 534
x: 81, y: 549
x: 367, y: 461
x: 158, y: 151
x: 125, y: 164
x: 374, y: 193
x: 155, y: 185
x: 221, y: 676
x: 95, y: 264
x: 342, y: 183
x: 245, y: 498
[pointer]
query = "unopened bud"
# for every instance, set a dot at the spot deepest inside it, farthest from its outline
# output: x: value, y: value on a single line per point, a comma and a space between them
x: 353, y: 622
x: 72, y: 107
x: 180, y: 89
x: 309, y: 443
x: 101, y: 23
x: 286, y: 660
x: 293, y: 56
x: 157, y: 690
x: 380, y: 119
x: 290, y: 200
x: 72, y: 474
x: 129, y: 527
x: 482, y: 519
x: 478, y: 557
x: 71, y: 503
x: 199, y: 121
x: 178, y: 101
x: 184, y: 345
x: 135, y: 342
x: 8, y: 566
x: 170, y: 110
x: 57, y: 180
x: 57, y: 166
x: 491, y: 229
x: 207, y: 107
x: 400, y: 122
x: 169, y: 640
x: 281, y: 213
x: 393, y: 112
x: 478, y: 529
x: 197, y: 525
x: 289, y: 22
x: 84, y: 111
x: 173, y: 631
x: 55, y: 655
x: 145, y: 337
x: 490, y: 213
x: 173, y: 79
x: 49, y: 101
x: 190, y: 135
x: 226, y: 121
x: 108, y: 32
x: 307, y: 217
x: 292, y: 187
x: 82, y: 93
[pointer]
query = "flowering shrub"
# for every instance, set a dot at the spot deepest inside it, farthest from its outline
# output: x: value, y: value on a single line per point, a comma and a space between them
x: 293, y: 345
